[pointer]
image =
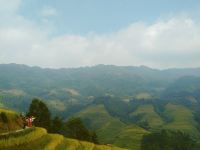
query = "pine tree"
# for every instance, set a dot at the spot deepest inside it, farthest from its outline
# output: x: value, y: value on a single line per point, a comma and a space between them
x: 56, y: 125
x: 40, y: 111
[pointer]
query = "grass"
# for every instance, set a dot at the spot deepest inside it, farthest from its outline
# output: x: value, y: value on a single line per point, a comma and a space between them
x: 108, y: 133
x: 7, y: 111
x: 130, y: 137
x: 39, y: 139
x: 55, y: 140
x: 38, y: 144
x: 25, y: 139
x: 182, y: 119
x: 69, y: 144
x: 148, y: 114
x: 16, y: 134
x: 58, y: 142
x: 111, y: 130
x: 72, y: 144
x: 14, y: 121
x: 97, y: 116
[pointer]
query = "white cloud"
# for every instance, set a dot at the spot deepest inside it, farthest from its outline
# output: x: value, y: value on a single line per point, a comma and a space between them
x: 48, y: 12
x: 170, y: 43
x: 9, y: 6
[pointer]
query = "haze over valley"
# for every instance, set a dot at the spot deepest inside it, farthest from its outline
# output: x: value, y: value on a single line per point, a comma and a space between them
x: 99, y: 75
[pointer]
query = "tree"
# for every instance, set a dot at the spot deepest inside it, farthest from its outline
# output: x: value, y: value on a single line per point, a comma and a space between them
x: 74, y: 128
x: 4, y: 118
x: 56, y: 125
x: 168, y: 140
x: 40, y: 111
x: 94, y: 137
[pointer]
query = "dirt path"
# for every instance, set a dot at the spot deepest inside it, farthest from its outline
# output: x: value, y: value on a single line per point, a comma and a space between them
x: 6, y: 133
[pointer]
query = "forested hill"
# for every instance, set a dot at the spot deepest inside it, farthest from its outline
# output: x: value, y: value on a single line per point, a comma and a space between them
x: 82, y: 85
x: 89, y: 80
x: 122, y: 104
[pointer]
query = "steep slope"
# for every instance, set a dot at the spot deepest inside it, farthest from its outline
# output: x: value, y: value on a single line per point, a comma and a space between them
x: 38, y: 138
x: 66, y: 91
x: 146, y: 114
x: 9, y: 120
x: 130, y: 137
x: 181, y: 119
x: 110, y: 129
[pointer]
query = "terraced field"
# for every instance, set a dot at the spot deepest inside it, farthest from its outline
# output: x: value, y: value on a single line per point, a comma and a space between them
x: 39, y: 139
x: 112, y: 130
x: 9, y: 120
x: 131, y: 136
x: 182, y: 119
x: 148, y: 114
x: 109, y: 129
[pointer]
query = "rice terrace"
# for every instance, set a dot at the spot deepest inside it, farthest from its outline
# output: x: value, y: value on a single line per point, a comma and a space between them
x: 99, y: 75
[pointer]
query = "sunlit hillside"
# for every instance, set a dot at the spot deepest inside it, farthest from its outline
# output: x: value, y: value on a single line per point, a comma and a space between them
x: 38, y: 139
x: 9, y: 120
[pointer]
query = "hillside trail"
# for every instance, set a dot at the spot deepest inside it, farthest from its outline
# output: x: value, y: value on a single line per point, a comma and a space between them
x: 15, y: 131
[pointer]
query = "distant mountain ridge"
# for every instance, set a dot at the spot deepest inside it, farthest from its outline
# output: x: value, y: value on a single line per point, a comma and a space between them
x: 89, y: 81
x: 122, y: 104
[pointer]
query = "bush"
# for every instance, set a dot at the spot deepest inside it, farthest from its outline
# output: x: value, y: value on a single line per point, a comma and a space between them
x: 74, y: 128
x: 4, y: 118
x: 168, y: 140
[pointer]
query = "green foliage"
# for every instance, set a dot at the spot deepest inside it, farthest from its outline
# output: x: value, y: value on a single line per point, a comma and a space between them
x: 197, y: 118
x: 115, y: 106
x: 4, y: 117
x: 94, y: 137
x: 56, y: 125
x: 35, y: 141
x: 40, y: 111
x: 168, y: 140
x: 69, y: 91
x: 74, y: 128
x: 110, y: 129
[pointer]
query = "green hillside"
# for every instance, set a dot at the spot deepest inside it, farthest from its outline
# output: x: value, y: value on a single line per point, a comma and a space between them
x: 130, y: 137
x: 9, y: 120
x: 146, y: 113
x: 112, y: 130
x: 39, y: 139
x: 75, y: 87
x: 35, y: 138
x: 182, y: 119
x: 121, y: 104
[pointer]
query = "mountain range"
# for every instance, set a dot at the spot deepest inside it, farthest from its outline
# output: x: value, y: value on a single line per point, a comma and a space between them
x: 122, y: 104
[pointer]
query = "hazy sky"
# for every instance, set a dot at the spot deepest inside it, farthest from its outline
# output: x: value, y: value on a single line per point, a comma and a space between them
x: 73, y: 33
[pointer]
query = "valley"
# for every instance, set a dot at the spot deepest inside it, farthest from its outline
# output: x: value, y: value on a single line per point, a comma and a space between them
x: 121, y: 104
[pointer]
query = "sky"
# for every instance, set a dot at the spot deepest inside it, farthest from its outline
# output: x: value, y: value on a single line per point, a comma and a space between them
x: 75, y: 33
